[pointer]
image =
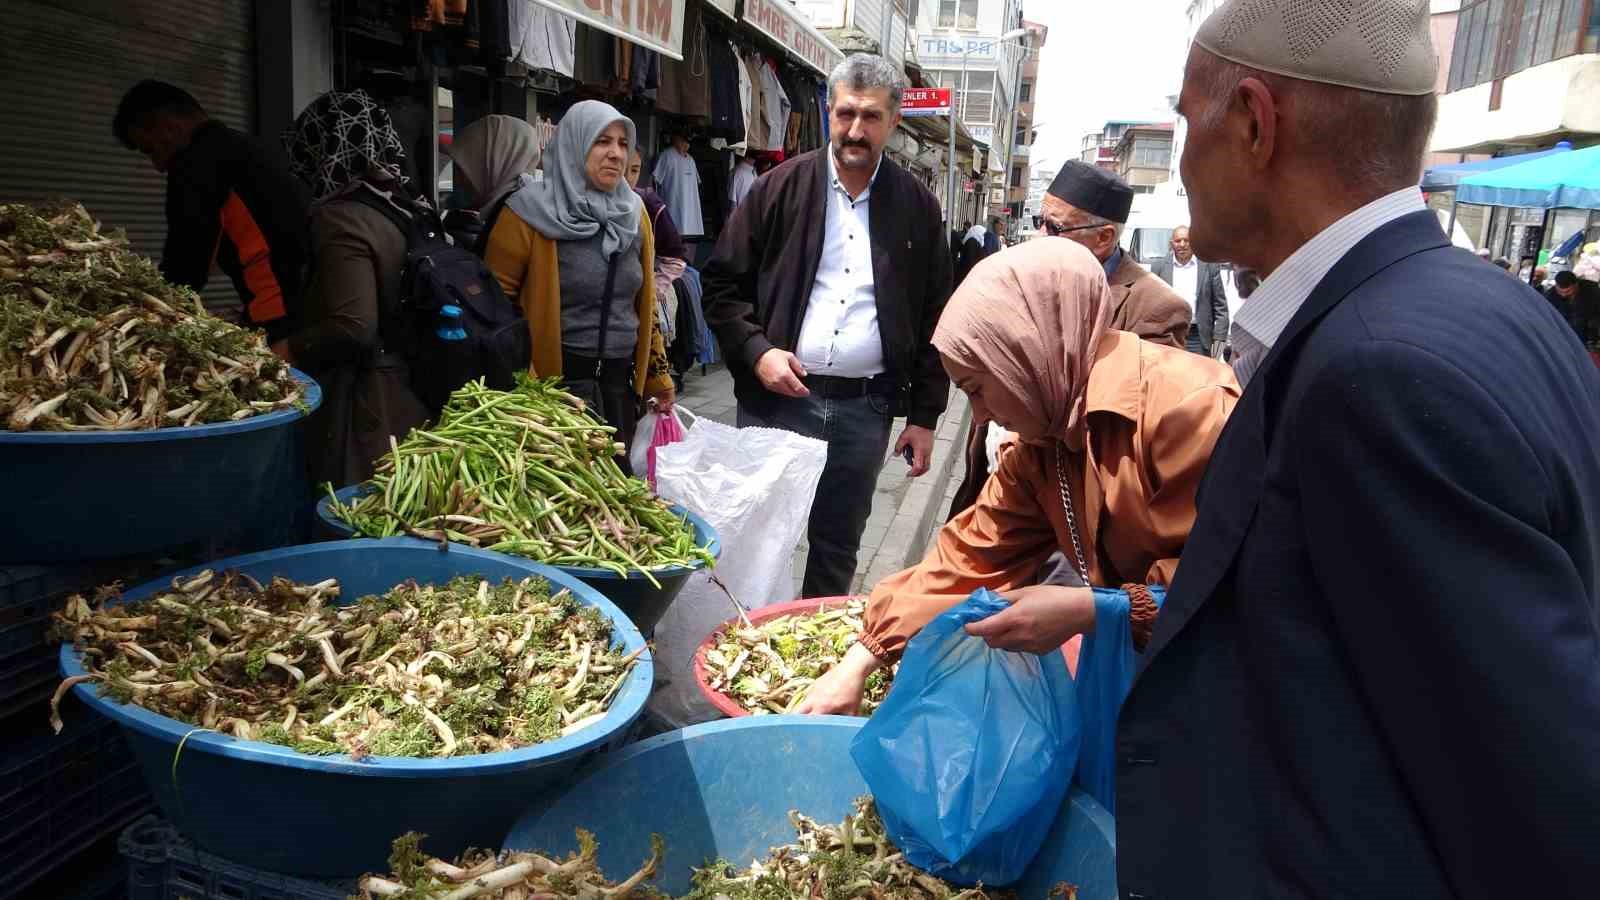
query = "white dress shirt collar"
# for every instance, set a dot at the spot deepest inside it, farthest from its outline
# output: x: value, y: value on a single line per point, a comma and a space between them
x: 833, y: 176
x: 1264, y: 316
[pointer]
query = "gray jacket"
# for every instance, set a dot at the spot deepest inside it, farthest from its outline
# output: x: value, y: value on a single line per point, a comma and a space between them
x: 1210, y: 300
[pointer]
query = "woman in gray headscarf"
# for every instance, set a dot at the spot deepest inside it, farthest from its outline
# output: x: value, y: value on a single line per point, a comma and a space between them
x: 493, y: 158
x: 577, y: 254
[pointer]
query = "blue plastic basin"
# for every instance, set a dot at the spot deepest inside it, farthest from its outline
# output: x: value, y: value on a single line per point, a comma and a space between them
x: 83, y: 495
x: 331, y: 816
x: 723, y: 790
x: 642, y: 601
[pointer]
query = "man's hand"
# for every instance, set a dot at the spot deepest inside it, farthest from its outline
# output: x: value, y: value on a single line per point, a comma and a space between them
x: 838, y: 692
x: 780, y: 372
x: 920, y: 440
x: 1040, y: 619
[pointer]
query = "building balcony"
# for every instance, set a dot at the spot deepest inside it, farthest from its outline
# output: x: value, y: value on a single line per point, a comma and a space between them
x: 1536, y: 105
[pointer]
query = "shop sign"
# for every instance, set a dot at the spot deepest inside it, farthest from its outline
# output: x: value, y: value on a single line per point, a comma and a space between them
x: 943, y: 50
x: 925, y: 102
x: 779, y: 21
x: 726, y: 7
x: 983, y: 134
x: 966, y: 186
x: 655, y: 24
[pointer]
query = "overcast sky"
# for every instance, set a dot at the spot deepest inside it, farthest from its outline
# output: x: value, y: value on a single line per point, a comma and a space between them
x: 1104, y: 59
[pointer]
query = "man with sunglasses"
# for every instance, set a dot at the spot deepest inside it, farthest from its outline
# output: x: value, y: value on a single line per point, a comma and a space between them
x: 1089, y: 205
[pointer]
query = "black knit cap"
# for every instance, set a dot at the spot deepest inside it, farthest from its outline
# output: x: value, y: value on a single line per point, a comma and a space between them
x: 1093, y: 190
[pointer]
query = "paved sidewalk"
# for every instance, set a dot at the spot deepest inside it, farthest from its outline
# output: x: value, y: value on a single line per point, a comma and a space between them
x: 905, y: 511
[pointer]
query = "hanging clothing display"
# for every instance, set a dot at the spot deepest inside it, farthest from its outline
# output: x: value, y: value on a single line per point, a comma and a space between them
x: 644, y: 74
x: 755, y: 110
x: 684, y: 87
x: 727, y: 107
x: 595, y: 56
x: 775, y: 111
x: 542, y: 38
x: 678, y: 182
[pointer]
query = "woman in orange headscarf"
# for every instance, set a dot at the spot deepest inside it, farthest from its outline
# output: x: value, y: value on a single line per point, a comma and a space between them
x: 1113, y: 436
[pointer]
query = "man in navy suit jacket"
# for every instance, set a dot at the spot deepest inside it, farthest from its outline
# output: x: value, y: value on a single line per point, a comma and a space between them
x: 1377, y: 673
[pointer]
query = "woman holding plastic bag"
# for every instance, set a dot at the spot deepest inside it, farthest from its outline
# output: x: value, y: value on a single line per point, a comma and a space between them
x: 1114, y: 434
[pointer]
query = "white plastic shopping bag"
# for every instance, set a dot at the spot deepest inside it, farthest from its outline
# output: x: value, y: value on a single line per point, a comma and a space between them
x: 755, y: 487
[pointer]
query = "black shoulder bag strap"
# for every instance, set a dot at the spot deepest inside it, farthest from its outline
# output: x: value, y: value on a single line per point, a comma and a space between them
x: 605, y: 314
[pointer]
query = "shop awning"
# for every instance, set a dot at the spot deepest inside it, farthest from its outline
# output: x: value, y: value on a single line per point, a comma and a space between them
x: 1559, y: 180
x: 657, y: 24
x: 788, y: 27
x: 1445, y: 178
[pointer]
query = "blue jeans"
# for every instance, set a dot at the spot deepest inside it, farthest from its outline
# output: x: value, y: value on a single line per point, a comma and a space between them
x: 857, y: 433
x: 1193, y: 344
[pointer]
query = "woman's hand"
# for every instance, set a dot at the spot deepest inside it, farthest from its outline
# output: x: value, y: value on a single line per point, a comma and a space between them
x: 664, y: 400
x: 1040, y: 619
x: 838, y: 692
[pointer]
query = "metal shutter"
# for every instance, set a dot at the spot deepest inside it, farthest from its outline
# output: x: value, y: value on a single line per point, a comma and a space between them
x: 66, y: 65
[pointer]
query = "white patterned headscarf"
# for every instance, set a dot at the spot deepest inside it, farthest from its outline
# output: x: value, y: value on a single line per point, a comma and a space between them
x: 343, y: 136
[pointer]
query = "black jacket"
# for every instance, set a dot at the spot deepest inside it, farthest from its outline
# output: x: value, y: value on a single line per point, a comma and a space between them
x: 231, y: 199
x: 758, y: 282
x: 1377, y: 673
x: 1210, y: 300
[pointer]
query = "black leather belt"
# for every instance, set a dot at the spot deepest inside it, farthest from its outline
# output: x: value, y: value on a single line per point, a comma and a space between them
x: 834, y: 388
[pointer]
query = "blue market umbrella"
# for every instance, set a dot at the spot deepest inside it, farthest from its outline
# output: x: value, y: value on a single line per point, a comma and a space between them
x: 1560, y: 180
x: 1445, y: 178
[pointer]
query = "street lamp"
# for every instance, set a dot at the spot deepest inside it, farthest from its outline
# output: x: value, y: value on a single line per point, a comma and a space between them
x: 956, y: 91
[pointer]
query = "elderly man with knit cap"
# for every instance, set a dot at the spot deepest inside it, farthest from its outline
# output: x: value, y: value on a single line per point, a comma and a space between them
x: 1377, y: 673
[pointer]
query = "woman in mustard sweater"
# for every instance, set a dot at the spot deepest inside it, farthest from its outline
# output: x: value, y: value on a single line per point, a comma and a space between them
x: 576, y: 253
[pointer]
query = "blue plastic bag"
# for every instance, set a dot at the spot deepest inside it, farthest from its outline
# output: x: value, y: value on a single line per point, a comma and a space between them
x: 1105, y: 673
x: 971, y: 754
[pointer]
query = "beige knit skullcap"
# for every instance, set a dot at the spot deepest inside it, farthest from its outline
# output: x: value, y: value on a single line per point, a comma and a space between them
x: 1371, y: 45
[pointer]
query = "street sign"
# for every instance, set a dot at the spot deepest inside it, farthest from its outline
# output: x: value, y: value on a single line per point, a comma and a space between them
x: 917, y: 102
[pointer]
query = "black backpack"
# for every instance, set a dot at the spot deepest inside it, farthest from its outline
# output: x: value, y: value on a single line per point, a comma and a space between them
x: 483, y: 336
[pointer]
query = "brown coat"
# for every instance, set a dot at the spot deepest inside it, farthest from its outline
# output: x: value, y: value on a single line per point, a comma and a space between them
x: 1141, y: 304
x: 1147, y: 306
x: 1155, y: 414
x: 352, y: 295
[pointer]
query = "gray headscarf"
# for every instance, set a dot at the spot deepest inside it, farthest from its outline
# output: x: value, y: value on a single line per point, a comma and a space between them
x: 564, y: 207
x: 494, y: 153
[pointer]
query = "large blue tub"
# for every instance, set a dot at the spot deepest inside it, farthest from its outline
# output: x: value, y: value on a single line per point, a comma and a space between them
x: 86, y: 495
x: 268, y: 806
x: 643, y: 602
x: 724, y: 790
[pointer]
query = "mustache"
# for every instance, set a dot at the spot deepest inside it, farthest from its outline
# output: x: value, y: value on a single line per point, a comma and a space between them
x: 864, y: 145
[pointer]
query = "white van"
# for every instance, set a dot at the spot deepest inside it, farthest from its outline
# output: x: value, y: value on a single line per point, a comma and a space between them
x: 1148, y: 234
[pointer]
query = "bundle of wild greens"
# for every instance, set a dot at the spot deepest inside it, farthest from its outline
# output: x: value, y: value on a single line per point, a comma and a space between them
x: 769, y: 667
x: 844, y: 861
x: 465, y: 667
x: 93, y: 339
x: 526, y: 472
x: 837, y: 861
x: 513, y: 875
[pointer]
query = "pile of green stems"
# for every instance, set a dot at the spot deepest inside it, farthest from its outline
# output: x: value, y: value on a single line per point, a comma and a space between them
x: 526, y: 472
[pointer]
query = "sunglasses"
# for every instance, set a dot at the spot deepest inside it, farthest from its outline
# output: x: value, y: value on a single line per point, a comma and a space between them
x: 1055, y: 230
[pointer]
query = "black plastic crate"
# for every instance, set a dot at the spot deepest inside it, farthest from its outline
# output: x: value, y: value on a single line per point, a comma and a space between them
x: 61, y: 793
x: 162, y: 865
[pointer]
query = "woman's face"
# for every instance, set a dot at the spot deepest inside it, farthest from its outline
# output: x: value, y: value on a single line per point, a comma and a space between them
x: 608, y: 158
x: 992, y: 402
x: 635, y: 164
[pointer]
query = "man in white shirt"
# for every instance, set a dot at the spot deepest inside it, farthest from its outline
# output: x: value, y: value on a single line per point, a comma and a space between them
x: 678, y: 182
x: 1382, y: 646
x: 1200, y: 286
x: 823, y: 292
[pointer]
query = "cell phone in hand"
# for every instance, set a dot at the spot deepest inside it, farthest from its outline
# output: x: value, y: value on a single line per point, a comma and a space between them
x: 909, y: 456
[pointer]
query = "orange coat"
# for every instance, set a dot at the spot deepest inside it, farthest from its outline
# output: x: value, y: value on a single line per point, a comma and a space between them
x: 1154, y: 416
